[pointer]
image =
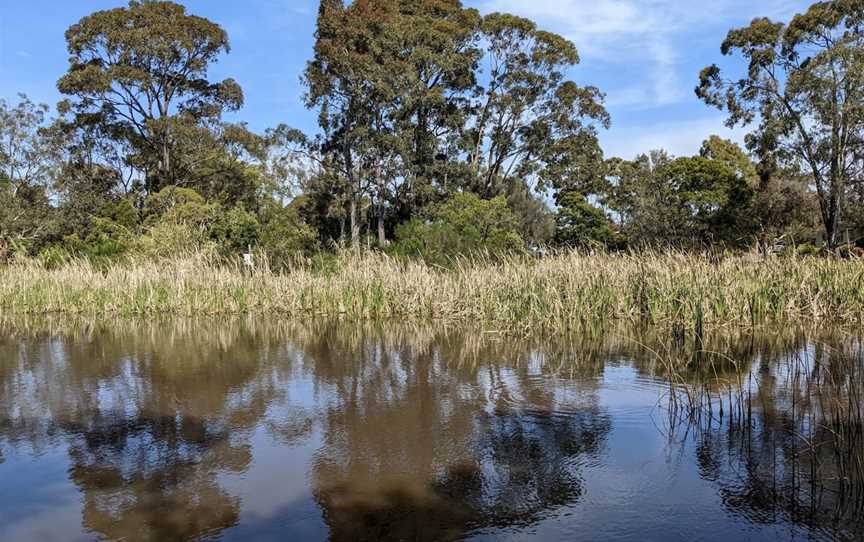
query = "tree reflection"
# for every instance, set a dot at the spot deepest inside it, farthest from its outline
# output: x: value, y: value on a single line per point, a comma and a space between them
x: 419, y: 432
x: 791, y: 444
x: 422, y: 445
x: 151, y: 415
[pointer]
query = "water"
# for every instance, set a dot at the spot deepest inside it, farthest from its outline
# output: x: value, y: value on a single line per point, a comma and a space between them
x: 187, y: 430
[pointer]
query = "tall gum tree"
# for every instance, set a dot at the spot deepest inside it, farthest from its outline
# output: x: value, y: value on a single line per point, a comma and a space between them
x: 530, y: 120
x: 143, y: 70
x: 804, y: 86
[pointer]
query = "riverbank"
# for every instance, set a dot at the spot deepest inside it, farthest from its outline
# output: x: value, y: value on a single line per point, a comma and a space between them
x: 555, y: 293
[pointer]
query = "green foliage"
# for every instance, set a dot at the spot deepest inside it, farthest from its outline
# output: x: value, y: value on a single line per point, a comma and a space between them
x: 25, y: 161
x: 463, y: 225
x: 440, y: 127
x: 236, y: 230
x: 152, y: 49
x: 285, y: 237
x: 689, y: 201
x: 54, y: 257
x: 732, y: 156
x: 804, y: 84
x: 709, y: 201
x: 172, y: 239
x: 536, y: 222
x: 409, y: 118
x: 105, y: 240
x: 179, y: 205
x: 580, y: 224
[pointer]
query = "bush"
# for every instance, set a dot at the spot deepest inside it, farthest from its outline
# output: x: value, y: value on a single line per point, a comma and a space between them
x: 236, y: 230
x: 463, y: 225
x: 53, y: 257
x: 285, y: 236
x: 170, y: 239
x: 179, y: 205
x: 580, y: 224
x: 105, y: 240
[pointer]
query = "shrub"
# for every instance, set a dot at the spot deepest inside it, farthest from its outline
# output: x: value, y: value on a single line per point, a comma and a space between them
x: 105, y: 240
x: 285, y: 236
x: 580, y: 224
x: 53, y: 257
x: 179, y: 205
x: 235, y: 230
x: 465, y: 224
x: 169, y: 239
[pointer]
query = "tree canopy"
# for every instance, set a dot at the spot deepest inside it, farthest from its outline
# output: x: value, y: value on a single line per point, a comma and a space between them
x: 441, y: 131
x: 803, y: 88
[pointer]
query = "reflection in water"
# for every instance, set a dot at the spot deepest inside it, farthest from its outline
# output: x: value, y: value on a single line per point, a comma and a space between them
x: 791, y: 443
x: 187, y: 430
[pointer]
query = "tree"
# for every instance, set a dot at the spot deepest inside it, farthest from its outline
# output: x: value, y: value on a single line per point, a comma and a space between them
x: 536, y: 221
x: 464, y: 224
x: 25, y: 172
x: 340, y: 83
x: 733, y: 157
x: 804, y: 86
x: 580, y: 224
x: 141, y: 72
x: 25, y: 157
x: 684, y: 201
x: 628, y: 191
x: 433, y: 62
x: 387, y: 77
x: 530, y: 120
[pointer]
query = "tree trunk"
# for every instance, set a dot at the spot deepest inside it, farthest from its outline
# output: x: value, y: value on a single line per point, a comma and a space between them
x: 379, y: 208
x: 355, y: 224
x: 382, y: 237
x: 166, y: 161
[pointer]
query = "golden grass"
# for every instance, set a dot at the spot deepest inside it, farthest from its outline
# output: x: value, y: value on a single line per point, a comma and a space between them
x: 556, y: 293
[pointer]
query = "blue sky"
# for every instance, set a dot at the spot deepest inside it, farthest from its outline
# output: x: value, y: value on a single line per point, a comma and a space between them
x: 645, y: 54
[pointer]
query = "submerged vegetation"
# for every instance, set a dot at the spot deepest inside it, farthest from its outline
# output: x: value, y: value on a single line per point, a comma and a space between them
x: 567, y: 291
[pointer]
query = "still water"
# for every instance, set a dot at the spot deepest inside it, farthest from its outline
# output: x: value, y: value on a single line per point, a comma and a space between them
x: 251, y: 430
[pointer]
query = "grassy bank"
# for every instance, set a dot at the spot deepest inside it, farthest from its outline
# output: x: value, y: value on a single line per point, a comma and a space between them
x: 555, y: 293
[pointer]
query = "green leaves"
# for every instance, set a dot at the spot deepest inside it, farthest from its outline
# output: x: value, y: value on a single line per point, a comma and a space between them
x: 804, y: 86
x: 462, y: 226
x: 143, y: 69
x: 580, y: 224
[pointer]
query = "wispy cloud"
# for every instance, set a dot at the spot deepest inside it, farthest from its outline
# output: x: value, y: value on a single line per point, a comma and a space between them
x: 652, y: 34
x: 679, y: 138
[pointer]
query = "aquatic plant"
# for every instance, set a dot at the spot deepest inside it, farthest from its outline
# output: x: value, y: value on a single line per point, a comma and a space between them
x: 558, y: 293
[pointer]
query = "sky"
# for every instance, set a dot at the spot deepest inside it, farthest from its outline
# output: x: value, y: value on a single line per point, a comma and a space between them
x: 645, y: 55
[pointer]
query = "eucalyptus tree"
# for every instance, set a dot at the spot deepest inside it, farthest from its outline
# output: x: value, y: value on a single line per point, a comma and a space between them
x: 142, y: 71
x: 341, y: 82
x: 25, y: 171
x: 804, y: 89
x: 436, y: 50
x: 531, y: 121
x: 24, y: 148
x: 387, y: 78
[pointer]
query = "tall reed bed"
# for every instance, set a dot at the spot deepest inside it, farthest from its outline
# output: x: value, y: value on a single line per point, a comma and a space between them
x: 556, y: 293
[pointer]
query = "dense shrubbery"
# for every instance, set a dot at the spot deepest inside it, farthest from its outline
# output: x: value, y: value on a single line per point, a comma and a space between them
x: 463, y: 225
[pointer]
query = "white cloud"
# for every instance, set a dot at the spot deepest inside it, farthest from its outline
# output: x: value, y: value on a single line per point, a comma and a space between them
x: 681, y: 138
x: 649, y: 37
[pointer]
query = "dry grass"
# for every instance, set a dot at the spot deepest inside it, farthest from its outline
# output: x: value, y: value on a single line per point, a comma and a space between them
x: 557, y: 293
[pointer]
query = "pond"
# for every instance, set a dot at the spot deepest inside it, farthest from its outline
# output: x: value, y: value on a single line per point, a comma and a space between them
x: 254, y: 430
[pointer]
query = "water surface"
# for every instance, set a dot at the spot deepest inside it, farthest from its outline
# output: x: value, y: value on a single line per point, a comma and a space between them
x: 249, y: 430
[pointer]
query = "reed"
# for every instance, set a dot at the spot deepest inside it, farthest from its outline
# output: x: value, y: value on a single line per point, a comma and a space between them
x: 558, y: 293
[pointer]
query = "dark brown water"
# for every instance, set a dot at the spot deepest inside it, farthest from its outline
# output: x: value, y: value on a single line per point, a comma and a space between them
x: 258, y: 431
